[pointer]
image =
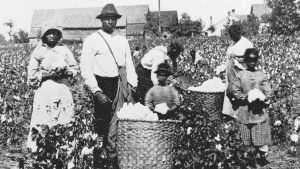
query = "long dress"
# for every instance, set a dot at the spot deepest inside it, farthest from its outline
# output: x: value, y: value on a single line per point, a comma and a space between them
x: 250, y: 116
x: 53, y: 101
x: 234, y: 55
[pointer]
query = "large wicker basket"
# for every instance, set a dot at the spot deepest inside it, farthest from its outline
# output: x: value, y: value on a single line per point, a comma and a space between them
x: 210, y: 102
x: 146, y: 144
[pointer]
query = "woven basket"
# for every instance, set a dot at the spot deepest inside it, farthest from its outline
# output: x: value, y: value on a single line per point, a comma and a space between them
x: 146, y: 144
x: 210, y: 102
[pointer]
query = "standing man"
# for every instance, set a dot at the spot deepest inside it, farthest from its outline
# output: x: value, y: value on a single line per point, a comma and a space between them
x: 106, y: 67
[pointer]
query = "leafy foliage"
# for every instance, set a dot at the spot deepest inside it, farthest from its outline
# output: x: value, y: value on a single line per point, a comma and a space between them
x: 185, y: 27
x: 250, y: 26
x: 2, y: 40
x: 152, y: 25
x: 285, y: 17
x: 188, y: 27
x: 10, y: 26
x: 21, y: 37
x: 208, y: 144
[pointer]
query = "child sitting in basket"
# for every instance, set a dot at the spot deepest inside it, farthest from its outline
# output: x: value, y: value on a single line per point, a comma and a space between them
x: 161, y: 98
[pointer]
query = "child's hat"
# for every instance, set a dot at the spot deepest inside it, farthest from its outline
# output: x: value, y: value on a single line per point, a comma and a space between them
x: 164, y: 67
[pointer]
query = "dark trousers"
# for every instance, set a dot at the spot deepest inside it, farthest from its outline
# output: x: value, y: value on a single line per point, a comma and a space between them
x: 103, y: 112
x: 144, y: 82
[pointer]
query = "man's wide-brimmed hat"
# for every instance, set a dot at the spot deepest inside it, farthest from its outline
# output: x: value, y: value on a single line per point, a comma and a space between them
x: 165, y: 68
x: 109, y: 10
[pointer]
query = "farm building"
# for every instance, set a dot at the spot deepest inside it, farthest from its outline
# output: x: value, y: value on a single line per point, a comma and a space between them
x: 167, y: 19
x: 77, y: 23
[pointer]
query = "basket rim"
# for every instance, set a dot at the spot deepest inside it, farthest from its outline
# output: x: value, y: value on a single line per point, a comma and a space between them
x: 150, y: 121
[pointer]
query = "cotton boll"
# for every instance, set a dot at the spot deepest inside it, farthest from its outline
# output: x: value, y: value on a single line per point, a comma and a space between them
x: 220, y: 69
x: 59, y: 65
x: 295, y: 137
x: 277, y: 123
x: 255, y: 94
x: 219, y: 147
x: 297, y: 123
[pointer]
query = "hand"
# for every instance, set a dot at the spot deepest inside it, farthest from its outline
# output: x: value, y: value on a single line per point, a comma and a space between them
x: 69, y: 74
x: 101, y: 97
x: 46, y: 75
x: 55, y: 75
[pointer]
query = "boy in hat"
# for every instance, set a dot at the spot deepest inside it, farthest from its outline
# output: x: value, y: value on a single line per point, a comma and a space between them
x: 149, y: 64
x: 161, y: 98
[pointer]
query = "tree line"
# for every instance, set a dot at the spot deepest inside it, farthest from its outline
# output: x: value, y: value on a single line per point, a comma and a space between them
x: 283, y: 20
x: 20, y: 36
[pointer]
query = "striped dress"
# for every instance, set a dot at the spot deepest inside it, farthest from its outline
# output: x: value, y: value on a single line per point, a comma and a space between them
x: 252, y: 118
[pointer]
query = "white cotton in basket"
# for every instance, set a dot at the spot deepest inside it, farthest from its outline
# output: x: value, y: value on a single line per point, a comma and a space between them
x: 212, y: 85
x: 136, y: 112
x: 255, y: 94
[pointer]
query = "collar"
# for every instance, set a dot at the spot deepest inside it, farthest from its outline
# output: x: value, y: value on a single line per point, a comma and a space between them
x: 106, y: 34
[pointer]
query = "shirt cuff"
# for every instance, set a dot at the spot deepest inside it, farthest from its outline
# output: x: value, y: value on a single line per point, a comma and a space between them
x: 96, y: 89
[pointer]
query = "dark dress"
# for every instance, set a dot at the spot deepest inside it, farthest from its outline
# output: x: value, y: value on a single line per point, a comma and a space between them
x: 252, y: 115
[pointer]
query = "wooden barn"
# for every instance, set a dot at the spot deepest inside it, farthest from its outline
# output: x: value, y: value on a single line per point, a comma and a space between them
x: 78, y: 23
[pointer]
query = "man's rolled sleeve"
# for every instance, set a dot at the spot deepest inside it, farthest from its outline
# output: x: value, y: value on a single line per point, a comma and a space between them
x: 86, y: 65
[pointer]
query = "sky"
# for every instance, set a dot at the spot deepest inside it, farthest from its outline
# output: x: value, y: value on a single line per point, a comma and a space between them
x: 21, y: 11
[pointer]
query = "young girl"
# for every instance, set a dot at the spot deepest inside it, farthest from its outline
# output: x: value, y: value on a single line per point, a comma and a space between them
x: 161, y: 98
x: 252, y: 116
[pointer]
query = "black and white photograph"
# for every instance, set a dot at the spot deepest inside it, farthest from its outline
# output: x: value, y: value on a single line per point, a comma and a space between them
x: 149, y: 84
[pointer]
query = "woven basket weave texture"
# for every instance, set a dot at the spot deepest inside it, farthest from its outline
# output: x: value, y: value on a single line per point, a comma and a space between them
x: 146, y: 144
x: 210, y: 102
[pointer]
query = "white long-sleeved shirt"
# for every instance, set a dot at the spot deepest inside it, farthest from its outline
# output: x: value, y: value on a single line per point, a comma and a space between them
x: 239, y: 48
x: 96, y: 59
x: 153, y: 58
x: 43, y: 57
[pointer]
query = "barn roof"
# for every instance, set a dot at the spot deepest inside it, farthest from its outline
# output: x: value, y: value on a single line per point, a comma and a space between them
x: 86, y: 17
x: 167, y: 17
x: 260, y: 9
